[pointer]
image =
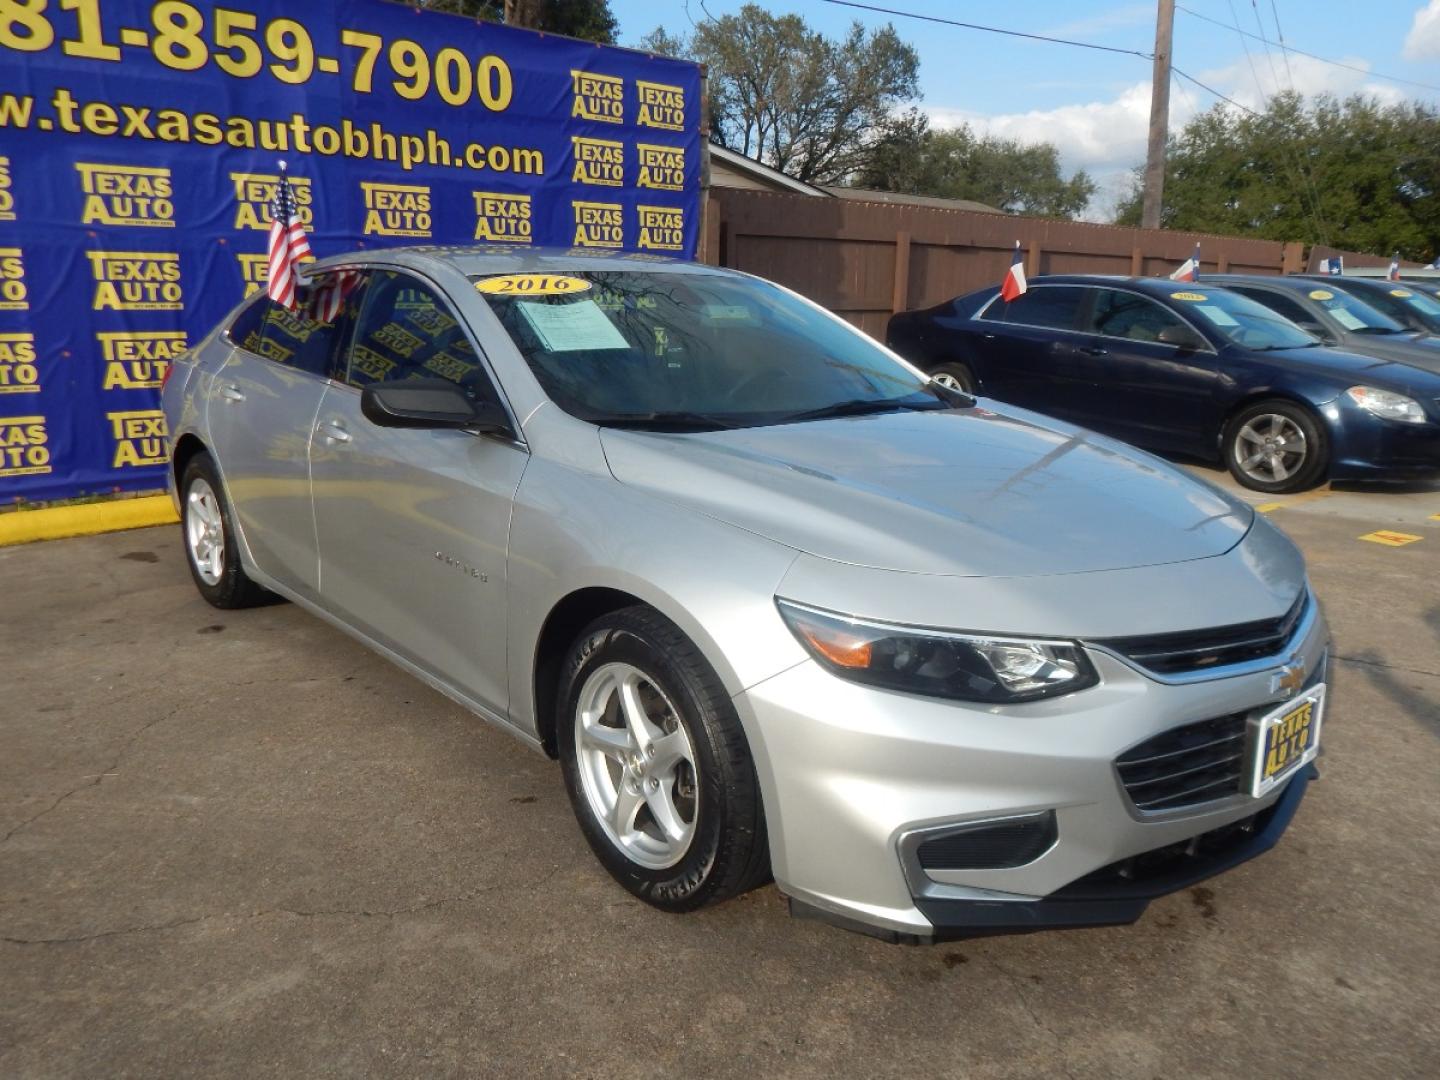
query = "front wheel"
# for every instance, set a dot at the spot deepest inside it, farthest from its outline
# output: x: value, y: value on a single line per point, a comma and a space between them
x: 657, y: 768
x: 1277, y: 447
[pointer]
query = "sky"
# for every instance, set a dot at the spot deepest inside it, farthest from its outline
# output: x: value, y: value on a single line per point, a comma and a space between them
x: 1093, y: 105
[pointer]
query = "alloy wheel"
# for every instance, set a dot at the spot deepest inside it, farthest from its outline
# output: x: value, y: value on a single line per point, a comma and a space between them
x: 1270, y: 448
x: 636, y: 765
x: 204, y: 531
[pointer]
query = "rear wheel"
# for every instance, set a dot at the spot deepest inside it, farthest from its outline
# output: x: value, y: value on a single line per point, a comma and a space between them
x: 657, y: 768
x: 955, y: 376
x: 210, y: 539
x: 1277, y: 447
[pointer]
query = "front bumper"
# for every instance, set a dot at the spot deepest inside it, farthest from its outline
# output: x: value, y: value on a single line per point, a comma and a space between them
x: 850, y: 771
x: 1369, y: 447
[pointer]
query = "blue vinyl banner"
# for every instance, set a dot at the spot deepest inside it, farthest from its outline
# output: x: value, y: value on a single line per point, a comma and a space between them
x: 139, y: 147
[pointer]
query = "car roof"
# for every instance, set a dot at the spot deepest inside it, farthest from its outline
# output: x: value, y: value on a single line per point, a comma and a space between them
x: 1158, y: 285
x: 482, y: 259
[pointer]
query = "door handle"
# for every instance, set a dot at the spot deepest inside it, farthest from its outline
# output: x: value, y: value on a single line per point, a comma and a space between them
x: 1093, y: 350
x: 335, y: 431
x: 231, y: 392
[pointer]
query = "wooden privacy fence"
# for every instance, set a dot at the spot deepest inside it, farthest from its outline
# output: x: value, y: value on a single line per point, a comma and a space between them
x: 867, y: 260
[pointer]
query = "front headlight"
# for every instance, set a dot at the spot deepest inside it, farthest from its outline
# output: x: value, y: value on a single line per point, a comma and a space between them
x: 1387, y: 404
x: 996, y: 670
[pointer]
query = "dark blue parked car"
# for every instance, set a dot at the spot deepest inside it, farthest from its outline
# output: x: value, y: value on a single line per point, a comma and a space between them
x: 1185, y: 368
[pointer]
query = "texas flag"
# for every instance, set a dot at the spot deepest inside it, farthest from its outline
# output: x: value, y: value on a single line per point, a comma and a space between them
x: 1394, y: 272
x: 1014, y: 283
x: 1335, y: 266
x: 1189, y: 270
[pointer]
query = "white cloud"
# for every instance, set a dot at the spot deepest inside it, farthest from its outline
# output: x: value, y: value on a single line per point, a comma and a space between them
x: 1115, y: 19
x: 1423, y: 41
x: 1107, y: 137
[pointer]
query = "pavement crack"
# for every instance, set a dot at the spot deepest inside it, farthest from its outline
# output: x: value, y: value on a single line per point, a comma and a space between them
x: 1019, y: 982
x: 93, y: 779
x: 270, y: 913
x: 1388, y: 667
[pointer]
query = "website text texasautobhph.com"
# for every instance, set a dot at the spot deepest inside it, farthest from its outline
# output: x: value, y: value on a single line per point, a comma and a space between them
x: 66, y: 114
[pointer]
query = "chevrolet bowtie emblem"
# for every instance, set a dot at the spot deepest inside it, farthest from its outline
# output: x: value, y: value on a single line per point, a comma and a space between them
x: 1289, y: 678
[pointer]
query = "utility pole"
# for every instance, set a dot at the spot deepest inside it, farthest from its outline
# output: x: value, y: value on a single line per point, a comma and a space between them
x: 1159, y: 117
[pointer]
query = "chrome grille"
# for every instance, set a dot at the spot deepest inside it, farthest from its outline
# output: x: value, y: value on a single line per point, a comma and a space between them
x: 1191, y: 764
x: 1189, y: 651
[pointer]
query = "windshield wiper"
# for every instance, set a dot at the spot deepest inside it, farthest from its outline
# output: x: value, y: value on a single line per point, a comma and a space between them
x: 665, y: 421
x: 861, y: 407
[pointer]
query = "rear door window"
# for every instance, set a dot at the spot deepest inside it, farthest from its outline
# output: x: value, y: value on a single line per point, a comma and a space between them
x: 1049, y: 307
x: 307, y: 338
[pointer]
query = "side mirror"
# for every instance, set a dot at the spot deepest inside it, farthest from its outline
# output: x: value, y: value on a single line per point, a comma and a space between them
x: 431, y: 403
x: 1181, y: 337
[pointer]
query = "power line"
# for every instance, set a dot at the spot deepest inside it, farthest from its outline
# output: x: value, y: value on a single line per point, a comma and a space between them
x: 1301, y: 52
x: 991, y: 29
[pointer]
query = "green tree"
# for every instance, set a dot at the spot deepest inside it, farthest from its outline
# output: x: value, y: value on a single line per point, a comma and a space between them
x: 1351, y: 173
x: 591, y: 20
x: 812, y: 106
x: 955, y: 163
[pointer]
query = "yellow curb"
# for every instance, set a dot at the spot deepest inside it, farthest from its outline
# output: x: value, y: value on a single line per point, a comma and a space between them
x: 1435, y: 517
x: 1391, y: 539
x: 27, y: 526
x: 1265, y: 508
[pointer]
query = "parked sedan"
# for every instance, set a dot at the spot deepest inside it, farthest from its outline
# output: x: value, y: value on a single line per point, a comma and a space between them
x: 1337, y: 317
x: 1413, y: 308
x: 775, y: 600
x: 1185, y: 368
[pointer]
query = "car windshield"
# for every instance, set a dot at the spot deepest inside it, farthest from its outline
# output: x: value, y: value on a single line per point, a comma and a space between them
x: 1397, y: 302
x: 688, y: 351
x: 1354, y: 314
x: 1240, y: 320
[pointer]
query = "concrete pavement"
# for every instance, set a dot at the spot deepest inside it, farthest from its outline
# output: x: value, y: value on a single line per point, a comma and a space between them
x: 239, y: 844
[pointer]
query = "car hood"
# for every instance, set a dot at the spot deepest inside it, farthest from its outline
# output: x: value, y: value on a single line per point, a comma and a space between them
x: 970, y: 492
x: 1417, y: 350
x: 1351, y: 363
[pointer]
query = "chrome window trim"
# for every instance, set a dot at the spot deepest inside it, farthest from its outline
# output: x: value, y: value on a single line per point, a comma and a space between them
x: 979, y: 315
x: 1209, y: 349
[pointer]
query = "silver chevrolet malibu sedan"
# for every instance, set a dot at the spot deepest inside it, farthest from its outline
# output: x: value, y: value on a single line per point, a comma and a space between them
x: 779, y: 604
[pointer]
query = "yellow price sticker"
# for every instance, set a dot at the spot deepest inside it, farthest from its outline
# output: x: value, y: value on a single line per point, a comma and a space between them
x: 1402, y: 293
x: 1194, y: 297
x: 531, y: 285
x: 1321, y: 294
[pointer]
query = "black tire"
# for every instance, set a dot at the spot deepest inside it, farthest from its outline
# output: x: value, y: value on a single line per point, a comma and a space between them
x: 1285, y: 418
x: 964, y: 378
x: 233, y: 588
x: 728, y: 851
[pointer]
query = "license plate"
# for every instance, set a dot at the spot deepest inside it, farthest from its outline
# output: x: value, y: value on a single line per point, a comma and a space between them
x: 1287, y: 738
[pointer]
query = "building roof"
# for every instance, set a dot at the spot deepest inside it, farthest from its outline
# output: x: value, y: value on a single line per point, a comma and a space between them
x: 757, y: 172
x: 870, y: 195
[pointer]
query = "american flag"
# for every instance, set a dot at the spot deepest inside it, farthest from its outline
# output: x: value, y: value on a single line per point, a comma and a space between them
x: 330, y: 293
x: 288, y: 244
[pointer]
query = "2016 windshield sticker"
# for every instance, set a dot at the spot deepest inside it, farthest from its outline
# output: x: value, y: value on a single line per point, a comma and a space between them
x: 1402, y: 293
x: 531, y: 285
x: 1321, y: 294
x: 1193, y: 297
